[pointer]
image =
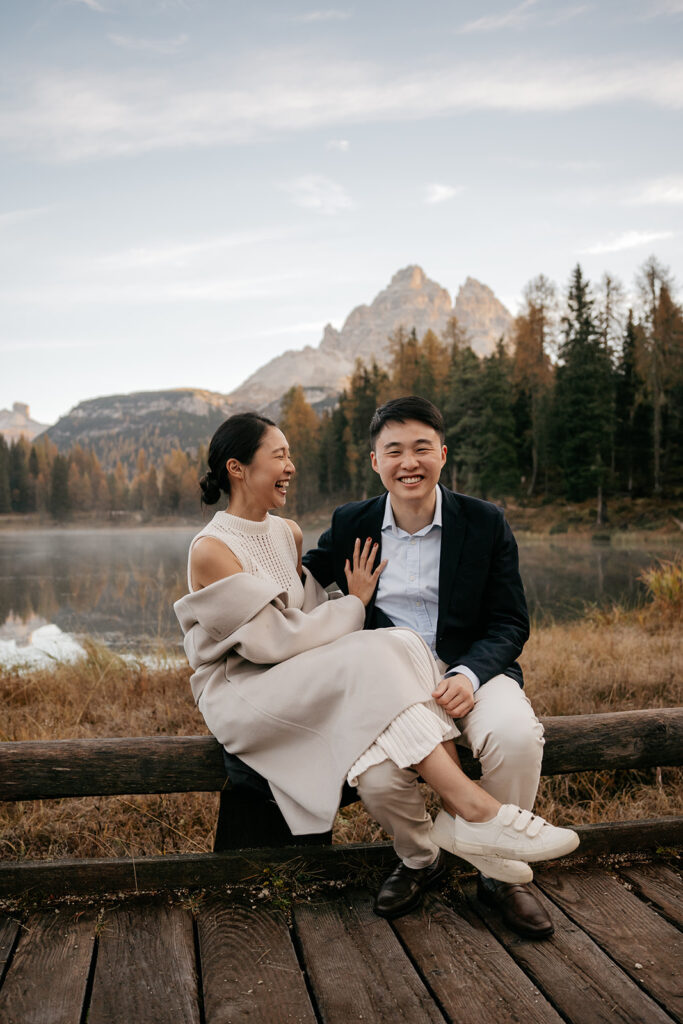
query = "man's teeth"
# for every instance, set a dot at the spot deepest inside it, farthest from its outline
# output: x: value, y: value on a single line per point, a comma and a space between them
x: 410, y: 479
x: 282, y: 485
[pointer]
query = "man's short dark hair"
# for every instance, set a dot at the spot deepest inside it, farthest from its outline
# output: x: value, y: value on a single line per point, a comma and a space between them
x: 409, y: 407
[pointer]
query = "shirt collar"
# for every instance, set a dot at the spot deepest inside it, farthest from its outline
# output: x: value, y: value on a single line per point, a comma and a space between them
x: 389, y: 523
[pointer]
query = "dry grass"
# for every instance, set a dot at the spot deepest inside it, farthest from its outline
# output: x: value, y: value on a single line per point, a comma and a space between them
x: 605, y: 662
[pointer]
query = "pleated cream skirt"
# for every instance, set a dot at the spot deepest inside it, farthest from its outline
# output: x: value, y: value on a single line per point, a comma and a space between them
x: 415, y: 732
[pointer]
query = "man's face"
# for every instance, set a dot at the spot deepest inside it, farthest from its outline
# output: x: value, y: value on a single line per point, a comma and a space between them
x: 408, y: 457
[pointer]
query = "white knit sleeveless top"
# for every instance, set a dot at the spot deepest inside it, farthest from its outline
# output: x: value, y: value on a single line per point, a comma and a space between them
x: 265, y: 549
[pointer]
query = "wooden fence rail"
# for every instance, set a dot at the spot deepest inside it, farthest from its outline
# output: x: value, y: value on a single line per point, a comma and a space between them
x: 182, y: 764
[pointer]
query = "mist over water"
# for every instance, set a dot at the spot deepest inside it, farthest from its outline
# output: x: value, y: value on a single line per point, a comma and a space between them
x: 118, y: 586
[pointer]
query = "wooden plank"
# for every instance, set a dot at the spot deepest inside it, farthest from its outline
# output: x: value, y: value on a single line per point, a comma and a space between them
x: 581, y: 981
x: 47, y: 978
x: 9, y: 929
x: 647, y: 947
x: 340, y: 861
x: 470, y: 973
x: 356, y: 966
x: 146, y: 968
x: 249, y: 966
x: 660, y: 885
x: 177, y: 764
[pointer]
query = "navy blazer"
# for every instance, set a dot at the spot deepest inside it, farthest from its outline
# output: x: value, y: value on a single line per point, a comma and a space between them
x: 483, y: 621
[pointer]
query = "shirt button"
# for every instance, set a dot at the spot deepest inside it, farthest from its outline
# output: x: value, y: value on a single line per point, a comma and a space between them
x: 412, y: 577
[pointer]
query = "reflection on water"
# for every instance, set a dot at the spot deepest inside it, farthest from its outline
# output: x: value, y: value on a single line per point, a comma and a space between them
x: 116, y: 585
x: 119, y: 585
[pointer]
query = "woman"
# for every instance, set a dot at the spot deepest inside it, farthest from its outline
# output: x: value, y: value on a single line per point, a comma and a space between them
x: 288, y: 680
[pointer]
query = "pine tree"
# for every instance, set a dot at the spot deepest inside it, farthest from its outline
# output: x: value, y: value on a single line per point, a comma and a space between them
x: 582, y: 407
x: 660, y: 352
x: 299, y: 423
x: 633, y: 415
x: 464, y: 412
x: 5, y: 491
x: 366, y: 390
x: 533, y: 340
x: 498, y: 473
x: 60, y: 506
x: 20, y: 486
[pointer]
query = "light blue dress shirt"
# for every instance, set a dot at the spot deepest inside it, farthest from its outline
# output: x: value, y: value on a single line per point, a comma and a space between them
x: 408, y: 589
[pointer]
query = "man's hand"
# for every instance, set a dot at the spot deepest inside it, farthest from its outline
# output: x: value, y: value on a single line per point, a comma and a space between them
x: 455, y: 695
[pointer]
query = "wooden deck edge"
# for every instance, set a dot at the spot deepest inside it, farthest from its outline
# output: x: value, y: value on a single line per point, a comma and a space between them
x: 207, y: 870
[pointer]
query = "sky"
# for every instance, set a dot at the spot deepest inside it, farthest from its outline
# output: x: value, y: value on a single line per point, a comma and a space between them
x: 190, y: 187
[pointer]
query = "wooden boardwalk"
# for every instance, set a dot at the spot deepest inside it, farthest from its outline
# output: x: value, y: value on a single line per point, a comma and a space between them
x: 222, y: 959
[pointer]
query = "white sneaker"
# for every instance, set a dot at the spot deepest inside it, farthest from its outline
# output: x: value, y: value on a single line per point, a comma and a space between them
x: 511, y: 871
x: 514, y: 833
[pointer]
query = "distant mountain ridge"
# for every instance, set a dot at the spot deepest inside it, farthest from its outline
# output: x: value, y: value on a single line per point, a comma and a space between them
x: 116, y: 426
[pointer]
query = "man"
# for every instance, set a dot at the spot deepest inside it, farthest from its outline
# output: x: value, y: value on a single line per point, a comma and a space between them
x: 452, y: 576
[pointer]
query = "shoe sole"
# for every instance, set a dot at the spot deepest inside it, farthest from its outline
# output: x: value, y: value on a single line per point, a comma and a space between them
x: 531, y: 856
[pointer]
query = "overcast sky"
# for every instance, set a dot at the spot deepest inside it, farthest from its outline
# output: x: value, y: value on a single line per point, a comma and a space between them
x: 189, y: 187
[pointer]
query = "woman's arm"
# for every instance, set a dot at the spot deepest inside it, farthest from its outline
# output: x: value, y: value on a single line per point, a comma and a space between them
x: 211, y: 560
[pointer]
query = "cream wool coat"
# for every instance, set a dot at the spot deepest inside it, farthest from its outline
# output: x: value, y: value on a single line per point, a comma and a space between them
x: 299, y: 695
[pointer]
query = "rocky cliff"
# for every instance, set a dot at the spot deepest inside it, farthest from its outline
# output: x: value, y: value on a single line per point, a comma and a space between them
x: 16, y: 422
x: 410, y: 300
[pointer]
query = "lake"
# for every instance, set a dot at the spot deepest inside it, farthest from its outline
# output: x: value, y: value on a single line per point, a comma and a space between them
x: 118, y: 585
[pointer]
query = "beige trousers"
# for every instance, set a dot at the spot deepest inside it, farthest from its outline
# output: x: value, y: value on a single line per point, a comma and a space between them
x: 501, y: 730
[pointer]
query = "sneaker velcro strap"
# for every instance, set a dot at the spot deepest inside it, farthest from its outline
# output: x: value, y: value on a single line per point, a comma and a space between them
x: 535, y: 826
x: 522, y: 821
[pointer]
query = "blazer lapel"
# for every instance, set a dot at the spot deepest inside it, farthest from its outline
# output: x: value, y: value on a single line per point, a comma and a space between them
x: 452, y: 538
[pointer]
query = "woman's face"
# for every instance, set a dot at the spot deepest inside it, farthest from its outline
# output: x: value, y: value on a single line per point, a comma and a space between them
x: 267, y: 476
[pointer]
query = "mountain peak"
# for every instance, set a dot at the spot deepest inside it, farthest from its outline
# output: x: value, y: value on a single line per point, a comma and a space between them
x: 409, y: 277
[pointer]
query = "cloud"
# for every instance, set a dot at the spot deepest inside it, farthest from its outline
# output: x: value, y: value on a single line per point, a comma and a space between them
x: 492, y: 22
x: 16, y: 216
x: 341, y: 145
x: 314, y: 192
x: 183, y: 254
x: 627, y: 240
x: 661, y: 190
x: 218, y: 289
x: 661, y: 8
x: 76, y: 117
x: 163, y: 46
x: 94, y: 5
x: 441, y: 193
x: 566, y: 14
x: 330, y: 14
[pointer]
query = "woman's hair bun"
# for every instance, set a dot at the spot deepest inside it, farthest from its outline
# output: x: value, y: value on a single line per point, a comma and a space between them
x: 211, y: 492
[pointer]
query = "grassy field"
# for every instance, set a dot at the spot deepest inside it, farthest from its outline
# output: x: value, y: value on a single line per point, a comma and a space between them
x: 604, y: 662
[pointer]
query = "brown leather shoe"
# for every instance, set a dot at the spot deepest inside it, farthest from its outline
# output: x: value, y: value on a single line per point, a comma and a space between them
x: 402, y: 891
x: 521, y: 909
